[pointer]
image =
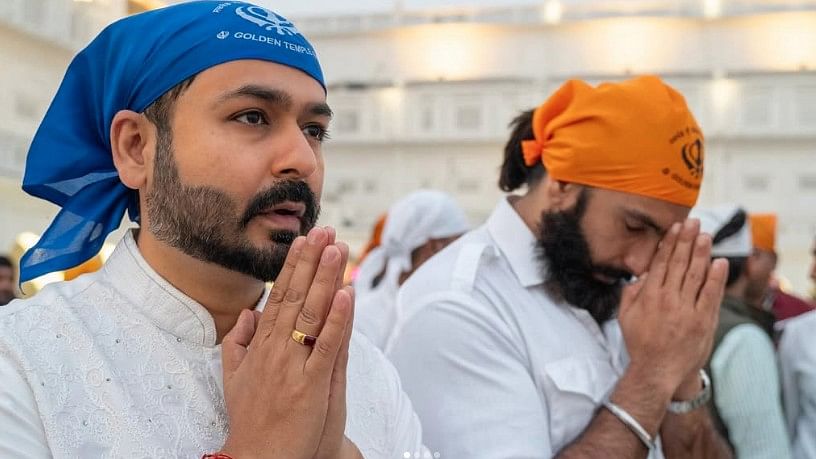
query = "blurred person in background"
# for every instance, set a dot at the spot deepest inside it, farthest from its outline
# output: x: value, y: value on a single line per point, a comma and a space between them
x: 520, y: 340
x: 7, y: 280
x: 797, y: 354
x: 746, y: 403
x: 418, y: 227
x: 782, y: 304
x: 374, y: 241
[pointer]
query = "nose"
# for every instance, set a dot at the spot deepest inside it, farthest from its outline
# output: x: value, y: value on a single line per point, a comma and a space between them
x: 294, y: 157
x: 639, y: 257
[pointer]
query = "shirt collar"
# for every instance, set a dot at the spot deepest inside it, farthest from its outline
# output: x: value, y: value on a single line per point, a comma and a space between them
x: 516, y: 242
x: 153, y: 297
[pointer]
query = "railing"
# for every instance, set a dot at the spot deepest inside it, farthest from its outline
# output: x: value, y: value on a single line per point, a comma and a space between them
x: 552, y: 11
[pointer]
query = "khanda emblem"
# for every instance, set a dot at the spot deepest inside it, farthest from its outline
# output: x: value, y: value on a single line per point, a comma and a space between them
x: 693, y: 157
x: 267, y: 19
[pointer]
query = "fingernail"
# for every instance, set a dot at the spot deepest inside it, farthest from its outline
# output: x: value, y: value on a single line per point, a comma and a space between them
x: 688, y: 224
x: 329, y: 255
x: 315, y: 236
x: 297, y: 244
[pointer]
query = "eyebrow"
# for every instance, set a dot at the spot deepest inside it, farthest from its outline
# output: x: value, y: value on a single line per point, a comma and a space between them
x: 275, y: 97
x: 320, y: 109
x: 646, y: 220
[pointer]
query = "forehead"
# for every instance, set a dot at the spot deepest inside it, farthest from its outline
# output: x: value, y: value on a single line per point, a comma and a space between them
x: 224, y: 78
x: 629, y: 205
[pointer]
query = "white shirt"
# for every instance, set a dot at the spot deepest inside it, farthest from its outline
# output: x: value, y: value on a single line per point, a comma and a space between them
x: 120, y: 363
x: 497, y: 369
x: 798, y: 360
x: 375, y: 314
x: 747, y: 395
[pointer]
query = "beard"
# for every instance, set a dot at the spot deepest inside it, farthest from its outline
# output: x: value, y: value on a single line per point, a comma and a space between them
x: 206, y: 223
x: 566, y: 263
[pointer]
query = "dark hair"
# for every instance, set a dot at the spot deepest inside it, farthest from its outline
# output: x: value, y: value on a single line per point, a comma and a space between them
x: 161, y: 110
x: 736, y: 265
x: 514, y: 173
x: 6, y: 262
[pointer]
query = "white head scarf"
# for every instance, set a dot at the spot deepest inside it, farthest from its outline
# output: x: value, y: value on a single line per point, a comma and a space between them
x: 411, y: 222
x: 713, y: 219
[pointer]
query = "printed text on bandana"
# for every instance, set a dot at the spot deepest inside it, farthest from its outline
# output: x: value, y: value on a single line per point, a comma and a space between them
x: 268, y: 40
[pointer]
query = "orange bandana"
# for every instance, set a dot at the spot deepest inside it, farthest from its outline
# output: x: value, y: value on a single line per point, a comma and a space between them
x: 637, y: 136
x: 763, y: 231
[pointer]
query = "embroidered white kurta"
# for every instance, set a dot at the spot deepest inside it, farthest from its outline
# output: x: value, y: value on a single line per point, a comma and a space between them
x: 120, y: 363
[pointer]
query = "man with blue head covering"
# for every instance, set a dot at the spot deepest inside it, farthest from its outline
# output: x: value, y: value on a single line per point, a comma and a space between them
x: 204, y: 122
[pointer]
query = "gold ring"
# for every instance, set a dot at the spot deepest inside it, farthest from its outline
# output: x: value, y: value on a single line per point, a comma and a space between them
x: 303, y: 338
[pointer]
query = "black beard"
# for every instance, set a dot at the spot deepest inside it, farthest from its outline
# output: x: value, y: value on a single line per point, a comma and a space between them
x: 205, y: 223
x: 567, y: 264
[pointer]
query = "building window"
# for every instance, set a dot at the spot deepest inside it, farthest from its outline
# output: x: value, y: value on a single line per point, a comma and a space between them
x: 33, y: 12
x: 807, y: 182
x: 346, y: 186
x: 347, y: 121
x: 756, y: 107
x: 469, y: 117
x: 806, y: 106
x: 756, y: 182
x: 370, y: 186
x: 471, y: 185
x: 427, y: 118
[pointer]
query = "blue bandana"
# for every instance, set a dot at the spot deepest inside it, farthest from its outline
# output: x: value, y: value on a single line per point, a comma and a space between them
x: 128, y: 66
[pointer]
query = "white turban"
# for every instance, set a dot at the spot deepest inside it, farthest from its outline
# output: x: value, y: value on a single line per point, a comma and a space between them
x: 411, y: 222
x: 713, y: 219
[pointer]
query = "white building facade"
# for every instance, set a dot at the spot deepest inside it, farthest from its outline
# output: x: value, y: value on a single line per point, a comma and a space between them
x: 423, y: 98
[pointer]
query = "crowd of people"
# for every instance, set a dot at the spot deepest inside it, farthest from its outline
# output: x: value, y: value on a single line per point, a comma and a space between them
x: 598, y: 312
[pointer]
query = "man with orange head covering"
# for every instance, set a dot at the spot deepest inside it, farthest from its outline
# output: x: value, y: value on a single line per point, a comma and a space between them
x: 523, y: 339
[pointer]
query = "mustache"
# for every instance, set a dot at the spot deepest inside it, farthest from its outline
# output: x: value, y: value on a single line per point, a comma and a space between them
x: 287, y: 191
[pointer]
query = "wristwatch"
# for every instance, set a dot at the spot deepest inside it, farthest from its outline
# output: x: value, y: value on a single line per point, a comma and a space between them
x: 701, y: 399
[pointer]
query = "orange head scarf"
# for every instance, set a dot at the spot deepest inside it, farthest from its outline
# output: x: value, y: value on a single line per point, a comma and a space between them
x: 637, y: 136
x: 376, y: 237
x: 763, y: 231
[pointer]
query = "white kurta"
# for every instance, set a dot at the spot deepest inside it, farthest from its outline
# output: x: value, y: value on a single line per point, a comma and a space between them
x: 496, y: 369
x: 120, y: 363
x: 797, y: 355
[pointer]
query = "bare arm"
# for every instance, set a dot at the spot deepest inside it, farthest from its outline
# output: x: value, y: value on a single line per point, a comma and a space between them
x: 607, y: 436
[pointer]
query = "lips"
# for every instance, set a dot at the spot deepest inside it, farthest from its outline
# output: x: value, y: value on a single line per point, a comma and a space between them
x: 284, y: 216
x: 287, y: 209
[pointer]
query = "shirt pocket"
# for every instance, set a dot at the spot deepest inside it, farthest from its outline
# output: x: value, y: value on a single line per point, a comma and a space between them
x: 575, y: 388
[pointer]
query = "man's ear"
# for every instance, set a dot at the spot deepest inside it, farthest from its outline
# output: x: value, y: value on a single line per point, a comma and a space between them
x: 133, y: 139
x: 561, y: 195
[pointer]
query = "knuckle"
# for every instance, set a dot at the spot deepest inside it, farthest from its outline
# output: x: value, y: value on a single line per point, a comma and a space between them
x: 323, y: 348
x: 293, y: 295
x: 309, y: 316
x: 326, y: 279
x: 277, y: 295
